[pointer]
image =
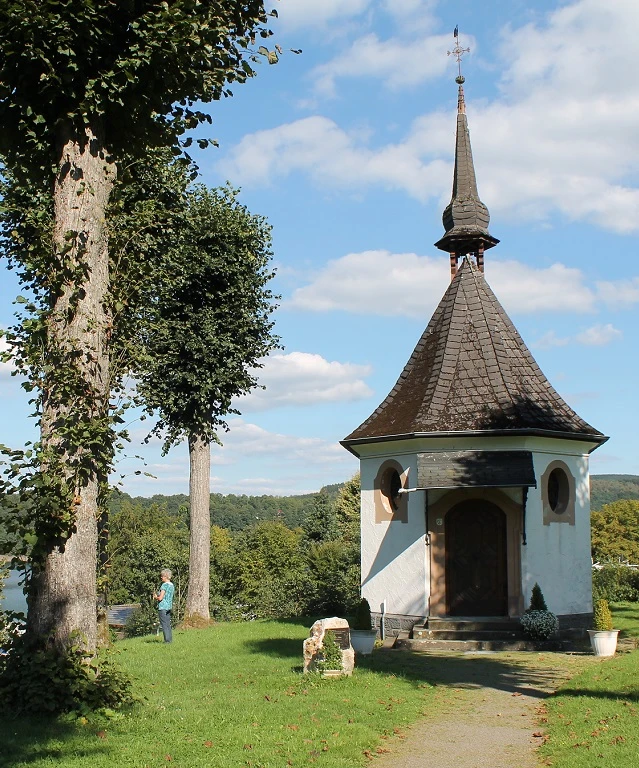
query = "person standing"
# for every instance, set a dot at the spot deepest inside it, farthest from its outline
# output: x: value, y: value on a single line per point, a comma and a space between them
x: 164, y: 597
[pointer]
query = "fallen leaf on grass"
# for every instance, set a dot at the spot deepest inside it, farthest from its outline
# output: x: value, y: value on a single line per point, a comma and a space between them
x: 101, y: 734
x: 248, y: 746
x: 208, y: 743
x: 293, y: 727
x: 168, y: 758
x: 382, y: 750
x: 618, y: 740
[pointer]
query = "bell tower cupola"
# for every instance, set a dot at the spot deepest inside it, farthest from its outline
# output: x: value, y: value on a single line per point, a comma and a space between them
x: 466, y: 217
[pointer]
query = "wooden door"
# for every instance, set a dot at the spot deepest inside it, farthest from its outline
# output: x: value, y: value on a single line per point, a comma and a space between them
x: 476, y: 560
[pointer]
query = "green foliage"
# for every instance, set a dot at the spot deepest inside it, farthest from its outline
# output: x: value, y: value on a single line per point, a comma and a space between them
x: 35, y: 677
x: 348, y: 510
x: 604, y: 489
x: 539, y: 625
x: 259, y: 573
x: 142, y: 541
x: 209, y: 321
x: 615, y: 532
x: 322, y: 523
x: 602, y: 617
x: 616, y: 583
x: 143, y: 621
x: 135, y: 67
x: 331, y: 654
x: 333, y: 578
x: 537, y: 601
x: 362, y: 618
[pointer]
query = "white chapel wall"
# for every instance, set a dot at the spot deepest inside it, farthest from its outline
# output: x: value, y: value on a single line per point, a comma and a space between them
x: 557, y: 554
x: 394, y: 568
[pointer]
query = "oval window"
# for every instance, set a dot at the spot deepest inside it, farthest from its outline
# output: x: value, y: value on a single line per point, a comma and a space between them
x: 558, y: 491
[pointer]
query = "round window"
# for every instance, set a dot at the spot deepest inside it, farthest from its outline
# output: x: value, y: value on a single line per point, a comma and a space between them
x: 558, y: 491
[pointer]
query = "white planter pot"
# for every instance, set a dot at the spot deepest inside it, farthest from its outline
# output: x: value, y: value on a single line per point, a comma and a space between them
x: 363, y: 640
x: 604, y: 643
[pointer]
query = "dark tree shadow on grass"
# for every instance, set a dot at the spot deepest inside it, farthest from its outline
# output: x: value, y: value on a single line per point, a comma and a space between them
x: 27, y: 741
x: 455, y: 671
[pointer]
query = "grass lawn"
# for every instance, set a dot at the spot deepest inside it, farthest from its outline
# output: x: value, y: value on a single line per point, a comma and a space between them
x: 233, y: 695
x: 593, y: 720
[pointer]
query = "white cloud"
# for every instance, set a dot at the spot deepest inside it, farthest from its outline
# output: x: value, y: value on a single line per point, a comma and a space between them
x: 295, y: 14
x: 332, y: 156
x: 398, y: 63
x: 599, y: 335
x: 620, y: 293
x: 549, y: 340
x: 301, y: 378
x: 596, y: 336
x: 245, y: 438
x: 522, y: 289
x: 561, y: 136
x: 376, y: 282
x: 384, y: 283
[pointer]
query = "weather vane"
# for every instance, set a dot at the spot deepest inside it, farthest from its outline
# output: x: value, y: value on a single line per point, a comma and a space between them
x: 458, y: 52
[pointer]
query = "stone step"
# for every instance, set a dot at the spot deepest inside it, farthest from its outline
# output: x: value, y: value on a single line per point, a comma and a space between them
x: 481, y: 645
x: 498, y: 624
x: 445, y: 634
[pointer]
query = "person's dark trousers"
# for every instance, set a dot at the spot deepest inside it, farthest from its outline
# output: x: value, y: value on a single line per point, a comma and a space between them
x: 165, y: 623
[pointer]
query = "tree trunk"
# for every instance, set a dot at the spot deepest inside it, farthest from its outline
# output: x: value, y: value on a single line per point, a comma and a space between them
x: 63, y: 589
x: 197, y: 599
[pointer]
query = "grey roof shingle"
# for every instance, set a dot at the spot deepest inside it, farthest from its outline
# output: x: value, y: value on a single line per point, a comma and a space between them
x: 471, y: 371
x: 465, y: 218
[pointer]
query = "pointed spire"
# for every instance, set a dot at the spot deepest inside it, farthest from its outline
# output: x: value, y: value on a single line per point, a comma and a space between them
x: 465, y: 218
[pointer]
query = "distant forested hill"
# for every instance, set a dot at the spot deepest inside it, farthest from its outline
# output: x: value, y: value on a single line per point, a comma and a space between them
x: 607, y: 488
x: 235, y: 512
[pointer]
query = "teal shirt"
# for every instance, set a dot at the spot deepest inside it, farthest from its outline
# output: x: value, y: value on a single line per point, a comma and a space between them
x: 166, y: 603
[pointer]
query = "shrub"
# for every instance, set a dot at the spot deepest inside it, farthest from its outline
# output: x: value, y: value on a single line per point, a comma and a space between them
x: 36, y: 677
x: 362, y: 618
x: 537, y: 602
x: 616, y: 583
x: 331, y: 653
x: 539, y: 625
x: 602, y: 618
x: 144, y: 621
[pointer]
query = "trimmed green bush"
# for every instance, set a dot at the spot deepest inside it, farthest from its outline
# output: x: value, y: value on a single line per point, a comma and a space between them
x: 362, y: 618
x: 602, y: 618
x: 537, y: 601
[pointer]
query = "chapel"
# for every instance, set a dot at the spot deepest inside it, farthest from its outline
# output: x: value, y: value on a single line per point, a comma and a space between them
x: 474, y: 470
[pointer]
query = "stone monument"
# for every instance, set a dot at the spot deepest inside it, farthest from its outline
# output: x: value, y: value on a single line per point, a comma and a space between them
x: 314, y: 644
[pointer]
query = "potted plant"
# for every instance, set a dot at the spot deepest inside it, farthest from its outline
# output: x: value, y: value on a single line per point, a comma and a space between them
x: 603, y: 638
x: 330, y: 664
x: 362, y: 635
x: 538, y: 622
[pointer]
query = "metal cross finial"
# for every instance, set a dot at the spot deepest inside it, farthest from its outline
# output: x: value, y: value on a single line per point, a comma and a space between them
x: 458, y: 52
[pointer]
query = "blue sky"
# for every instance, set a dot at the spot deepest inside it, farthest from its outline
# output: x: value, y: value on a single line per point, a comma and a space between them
x: 347, y: 149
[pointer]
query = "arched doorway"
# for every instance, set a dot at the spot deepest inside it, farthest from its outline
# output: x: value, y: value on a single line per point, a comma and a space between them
x: 476, y: 560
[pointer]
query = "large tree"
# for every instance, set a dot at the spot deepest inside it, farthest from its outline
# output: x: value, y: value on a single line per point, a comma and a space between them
x: 84, y: 84
x: 208, y: 326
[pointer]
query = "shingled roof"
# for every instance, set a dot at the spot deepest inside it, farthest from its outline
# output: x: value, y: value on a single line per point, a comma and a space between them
x: 471, y: 372
x: 465, y: 218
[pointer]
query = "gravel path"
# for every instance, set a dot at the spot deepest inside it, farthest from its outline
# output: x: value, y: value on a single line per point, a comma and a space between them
x: 491, y: 720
